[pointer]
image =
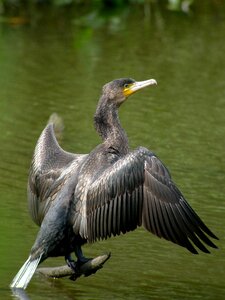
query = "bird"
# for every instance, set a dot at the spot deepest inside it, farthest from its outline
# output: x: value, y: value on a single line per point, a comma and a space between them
x: 83, y: 198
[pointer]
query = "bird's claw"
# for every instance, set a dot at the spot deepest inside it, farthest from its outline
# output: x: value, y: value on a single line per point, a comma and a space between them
x: 71, y: 264
x: 75, y: 266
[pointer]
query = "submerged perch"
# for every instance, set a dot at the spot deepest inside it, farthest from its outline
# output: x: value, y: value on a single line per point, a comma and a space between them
x: 86, y: 269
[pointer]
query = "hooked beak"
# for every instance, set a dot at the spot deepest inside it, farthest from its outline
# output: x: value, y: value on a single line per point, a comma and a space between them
x: 138, y: 85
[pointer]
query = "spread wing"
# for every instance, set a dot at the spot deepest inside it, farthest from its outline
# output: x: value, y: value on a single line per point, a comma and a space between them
x: 138, y: 190
x: 50, y: 169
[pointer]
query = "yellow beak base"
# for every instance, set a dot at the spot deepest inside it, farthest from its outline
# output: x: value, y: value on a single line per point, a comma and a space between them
x: 138, y: 85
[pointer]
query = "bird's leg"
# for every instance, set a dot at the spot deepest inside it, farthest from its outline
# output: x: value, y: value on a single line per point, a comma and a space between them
x: 70, y: 262
x: 81, y: 259
x: 75, y: 266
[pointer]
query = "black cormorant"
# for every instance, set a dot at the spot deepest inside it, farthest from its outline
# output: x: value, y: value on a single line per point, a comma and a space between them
x: 79, y: 198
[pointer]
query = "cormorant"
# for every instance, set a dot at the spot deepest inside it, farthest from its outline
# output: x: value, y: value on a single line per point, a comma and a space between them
x: 79, y: 198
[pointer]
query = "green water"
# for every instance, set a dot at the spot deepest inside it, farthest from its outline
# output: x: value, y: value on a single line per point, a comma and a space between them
x: 60, y: 66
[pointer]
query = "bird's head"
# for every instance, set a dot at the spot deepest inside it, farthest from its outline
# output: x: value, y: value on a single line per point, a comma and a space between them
x: 119, y: 89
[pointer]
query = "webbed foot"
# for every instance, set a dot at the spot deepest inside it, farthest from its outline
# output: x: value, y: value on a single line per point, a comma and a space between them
x: 75, y: 266
x: 71, y: 263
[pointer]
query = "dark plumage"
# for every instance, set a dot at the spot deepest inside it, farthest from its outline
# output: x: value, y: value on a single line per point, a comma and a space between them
x: 78, y: 198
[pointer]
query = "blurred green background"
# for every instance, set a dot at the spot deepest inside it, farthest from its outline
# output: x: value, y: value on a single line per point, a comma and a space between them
x: 55, y: 57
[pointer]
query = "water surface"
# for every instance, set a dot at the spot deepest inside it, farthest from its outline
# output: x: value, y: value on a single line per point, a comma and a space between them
x: 60, y: 66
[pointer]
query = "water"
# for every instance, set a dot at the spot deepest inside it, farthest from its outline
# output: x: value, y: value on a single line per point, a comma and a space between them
x: 60, y: 66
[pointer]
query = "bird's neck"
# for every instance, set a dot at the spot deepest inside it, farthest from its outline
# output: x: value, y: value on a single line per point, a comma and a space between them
x: 108, y: 126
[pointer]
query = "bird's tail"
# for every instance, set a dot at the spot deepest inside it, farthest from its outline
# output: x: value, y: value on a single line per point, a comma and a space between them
x: 25, y: 274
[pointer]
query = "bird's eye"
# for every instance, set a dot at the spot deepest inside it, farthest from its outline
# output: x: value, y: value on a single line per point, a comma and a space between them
x: 126, y: 85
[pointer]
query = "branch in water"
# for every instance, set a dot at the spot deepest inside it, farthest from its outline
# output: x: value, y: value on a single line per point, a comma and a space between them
x: 88, y: 268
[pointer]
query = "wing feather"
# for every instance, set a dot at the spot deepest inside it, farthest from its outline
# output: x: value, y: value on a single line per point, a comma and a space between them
x: 110, y: 218
x: 50, y: 168
x: 138, y: 190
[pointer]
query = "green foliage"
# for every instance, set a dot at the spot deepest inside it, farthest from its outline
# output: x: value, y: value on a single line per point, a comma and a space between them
x: 180, y: 5
x: 14, y: 7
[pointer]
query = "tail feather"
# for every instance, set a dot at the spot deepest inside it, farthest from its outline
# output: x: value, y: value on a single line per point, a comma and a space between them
x: 25, y: 274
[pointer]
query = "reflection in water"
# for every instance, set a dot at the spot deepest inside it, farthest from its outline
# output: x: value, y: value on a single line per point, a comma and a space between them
x: 58, y: 67
x: 20, y: 294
